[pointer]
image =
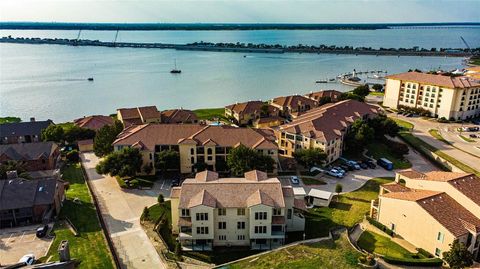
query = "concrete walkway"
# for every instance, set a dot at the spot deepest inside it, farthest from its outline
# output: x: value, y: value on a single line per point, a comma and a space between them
x: 121, y: 211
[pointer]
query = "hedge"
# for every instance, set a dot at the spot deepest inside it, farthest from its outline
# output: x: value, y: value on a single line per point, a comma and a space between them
x: 424, y: 253
x: 380, y: 226
x: 413, y: 262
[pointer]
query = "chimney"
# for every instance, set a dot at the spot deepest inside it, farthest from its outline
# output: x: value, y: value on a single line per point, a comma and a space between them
x: 64, y: 251
x: 12, y: 174
x: 32, y: 119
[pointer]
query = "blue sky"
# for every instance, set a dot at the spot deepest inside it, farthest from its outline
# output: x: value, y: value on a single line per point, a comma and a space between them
x: 248, y: 11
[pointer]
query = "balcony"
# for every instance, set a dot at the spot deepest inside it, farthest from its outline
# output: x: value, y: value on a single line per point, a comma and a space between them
x: 374, y: 209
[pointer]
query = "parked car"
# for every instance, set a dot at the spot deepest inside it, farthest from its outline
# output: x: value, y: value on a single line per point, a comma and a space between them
x: 335, y: 173
x: 355, y: 165
x: 385, y: 163
x: 363, y: 165
x: 28, y: 259
x: 345, y: 168
x: 42, y: 231
x: 473, y: 136
x: 294, y: 180
x: 370, y: 164
x: 176, y: 182
x: 339, y: 169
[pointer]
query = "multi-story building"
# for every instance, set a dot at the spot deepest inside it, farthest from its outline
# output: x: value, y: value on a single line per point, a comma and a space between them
x: 196, y: 143
x: 178, y: 116
x: 33, y: 156
x: 431, y: 210
x: 248, y: 113
x: 255, y: 211
x: 323, y: 127
x: 139, y: 115
x: 294, y: 105
x: 23, y: 132
x: 443, y: 96
x: 333, y: 95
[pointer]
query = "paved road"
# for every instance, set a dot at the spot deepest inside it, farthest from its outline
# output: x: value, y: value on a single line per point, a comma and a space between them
x: 121, y: 211
x: 421, y: 129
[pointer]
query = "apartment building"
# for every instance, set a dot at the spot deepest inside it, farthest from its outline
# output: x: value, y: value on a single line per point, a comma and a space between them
x: 251, y: 112
x: 23, y: 132
x: 444, y: 96
x: 293, y: 105
x: 138, y: 115
x: 333, y: 95
x: 255, y: 211
x: 195, y: 143
x: 323, y: 127
x: 431, y: 210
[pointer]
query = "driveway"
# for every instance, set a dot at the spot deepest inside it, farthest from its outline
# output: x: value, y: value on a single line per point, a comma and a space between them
x: 121, y: 210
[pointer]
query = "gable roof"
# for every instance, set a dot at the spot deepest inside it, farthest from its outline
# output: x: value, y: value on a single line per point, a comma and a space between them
x: 28, y: 151
x: 293, y: 101
x: 173, y: 134
x: 250, y: 107
x: 329, y: 121
x: 94, y: 122
x: 178, y: 116
x: 138, y: 115
x: 333, y: 94
x: 24, y: 128
x: 394, y: 187
x: 437, y: 80
x: 21, y: 193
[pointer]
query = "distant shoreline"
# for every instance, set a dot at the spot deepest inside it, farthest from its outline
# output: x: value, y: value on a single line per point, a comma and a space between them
x: 222, y: 26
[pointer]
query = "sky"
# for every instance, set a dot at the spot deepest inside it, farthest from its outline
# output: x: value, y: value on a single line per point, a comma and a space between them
x: 241, y: 11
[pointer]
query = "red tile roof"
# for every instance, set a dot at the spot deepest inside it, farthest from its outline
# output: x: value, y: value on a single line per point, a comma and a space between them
x: 94, y: 122
x: 178, y: 116
x: 251, y: 107
x: 294, y: 101
x: 138, y: 115
x: 333, y: 94
x: 437, y: 80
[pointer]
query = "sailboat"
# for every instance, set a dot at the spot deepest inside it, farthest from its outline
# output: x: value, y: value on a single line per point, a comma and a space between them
x: 175, y: 70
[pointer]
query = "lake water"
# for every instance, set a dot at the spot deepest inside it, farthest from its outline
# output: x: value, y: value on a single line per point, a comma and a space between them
x: 50, y: 81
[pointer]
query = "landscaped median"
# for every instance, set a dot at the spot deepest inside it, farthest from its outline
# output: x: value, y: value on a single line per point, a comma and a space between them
x: 136, y: 182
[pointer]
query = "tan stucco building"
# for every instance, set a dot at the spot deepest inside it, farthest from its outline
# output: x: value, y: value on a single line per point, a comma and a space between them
x: 255, y: 211
x: 138, y: 115
x: 431, y: 210
x: 444, y: 96
x: 249, y: 113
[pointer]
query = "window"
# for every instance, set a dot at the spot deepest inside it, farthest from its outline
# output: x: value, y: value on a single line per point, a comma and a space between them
x: 260, y: 229
x: 202, y: 230
x: 440, y: 237
x: 289, y: 213
x: 241, y: 211
x: 185, y: 212
x: 209, y: 151
x: 392, y: 227
x: 260, y: 215
x: 241, y: 237
x: 192, y: 151
x: 241, y: 225
x: 222, y: 237
x: 222, y: 211
x: 200, y: 150
x: 222, y: 225
x: 277, y: 211
x: 202, y: 216
x: 437, y: 252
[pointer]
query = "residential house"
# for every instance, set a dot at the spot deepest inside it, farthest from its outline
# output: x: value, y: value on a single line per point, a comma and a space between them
x: 294, y: 105
x: 29, y: 201
x: 195, y: 143
x: 178, y: 116
x: 95, y: 122
x: 443, y: 96
x: 323, y: 127
x: 138, y: 115
x: 254, y: 211
x: 34, y: 156
x: 23, y: 132
x: 333, y: 95
x: 251, y: 112
x: 431, y: 210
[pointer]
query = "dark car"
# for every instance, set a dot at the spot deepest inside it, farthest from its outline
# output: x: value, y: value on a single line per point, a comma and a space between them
x: 175, y: 182
x: 370, y: 164
x: 363, y: 165
x: 42, y: 231
x: 346, y: 167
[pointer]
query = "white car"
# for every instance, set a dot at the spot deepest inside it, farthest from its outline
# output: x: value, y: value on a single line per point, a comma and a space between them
x: 295, y: 180
x: 28, y: 259
x: 335, y: 173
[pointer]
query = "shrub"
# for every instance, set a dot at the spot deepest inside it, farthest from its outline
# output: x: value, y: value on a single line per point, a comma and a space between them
x: 73, y: 156
x: 413, y: 262
x: 397, y: 148
x: 424, y: 253
x: 161, y: 199
x: 380, y: 226
x: 199, y: 256
x: 145, y: 214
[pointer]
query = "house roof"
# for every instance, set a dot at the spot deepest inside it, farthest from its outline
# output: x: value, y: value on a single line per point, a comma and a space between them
x: 28, y: 151
x: 21, y: 193
x: 333, y: 94
x: 412, y: 195
x: 178, y: 116
x: 395, y: 187
x: 139, y: 114
x: 24, y: 128
x: 173, y: 134
x: 320, y: 194
x: 437, y: 80
x: 94, y: 122
x: 293, y: 101
x: 329, y: 121
x: 250, y: 107
x: 229, y: 192
x: 299, y: 204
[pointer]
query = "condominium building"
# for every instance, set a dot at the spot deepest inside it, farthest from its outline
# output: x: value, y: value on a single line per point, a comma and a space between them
x: 444, y: 96
x: 333, y: 95
x: 138, y: 115
x: 431, y: 210
x: 196, y: 143
x: 294, y: 105
x: 255, y: 211
x: 323, y: 127
x: 251, y: 112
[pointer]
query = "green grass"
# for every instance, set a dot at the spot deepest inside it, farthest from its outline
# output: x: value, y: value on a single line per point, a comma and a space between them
x: 329, y: 254
x: 380, y: 150
x: 475, y: 61
x: 136, y: 182
x: 312, y: 181
x: 157, y: 210
x: 210, y: 113
x: 375, y: 243
x: 89, y: 246
x: 466, y: 139
x: 403, y: 124
x: 436, y: 134
x: 9, y: 120
x: 348, y: 210
x: 377, y: 93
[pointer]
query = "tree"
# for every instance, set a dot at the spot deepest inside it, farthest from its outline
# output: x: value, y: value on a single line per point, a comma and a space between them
x: 73, y: 156
x: 124, y: 163
x: 324, y: 100
x: 161, y: 199
x: 359, y: 136
x: 265, y: 110
x: 53, y: 133
x: 383, y: 126
x: 200, y: 166
x: 146, y: 214
x: 12, y: 165
x: 397, y: 148
x: 338, y: 189
x: 102, y: 144
x: 76, y: 133
x: 458, y: 256
x: 167, y: 160
x: 377, y: 87
x: 178, y: 250
x: 363, y: 90
x: 351, y: 96
x: 309, y: 157
x: 243, y: 159
x: 147, y: 169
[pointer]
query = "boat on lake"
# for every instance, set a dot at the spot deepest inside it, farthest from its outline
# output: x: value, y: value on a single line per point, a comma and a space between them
x: 90, y: 79
x: 175, y: 70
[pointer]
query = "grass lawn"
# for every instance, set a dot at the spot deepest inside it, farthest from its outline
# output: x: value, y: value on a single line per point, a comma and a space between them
x: 137, y: 181
x: 9, y: 120
x: 330, y: 254
x: 348, y: 210
x: 438, y: 136
x: 380, y: 150
x: 210, y: 113
x: 467, y: 139
x: 375, y: 243
x: 312, y: 181
x: 403, y: 124
x: 377, y: 93
x: 90, y: 246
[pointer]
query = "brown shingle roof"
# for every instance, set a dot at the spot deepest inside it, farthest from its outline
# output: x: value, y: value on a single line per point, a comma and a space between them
x: 203, y: 198
x: 94, y: 122
x: 413, y: 195
x: 333, y: 94
x: 250, y: 107
x: 175, y: 192
x: 178, y: 116
x: 139, y: 113
x: 436, y: 80
x: 293, y: 101
x: 327, y: 122
x: 173, y: 134
x: 395, y: 187
x: 299, y: 204
x: 260, y: 198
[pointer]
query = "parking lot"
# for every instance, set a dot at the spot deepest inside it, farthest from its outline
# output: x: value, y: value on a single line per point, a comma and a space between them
x: 16, y: 242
